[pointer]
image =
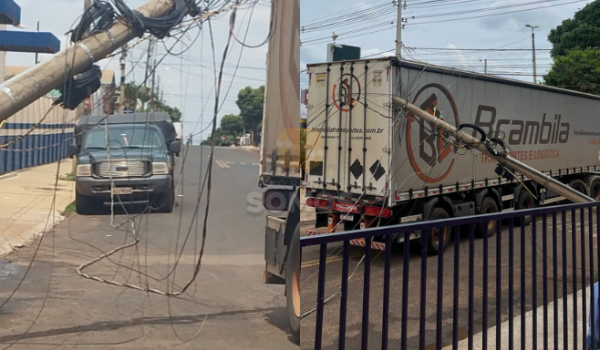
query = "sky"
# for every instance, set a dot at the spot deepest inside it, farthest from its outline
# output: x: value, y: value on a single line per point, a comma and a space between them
x: 188, y: 79
x: 462, y: 24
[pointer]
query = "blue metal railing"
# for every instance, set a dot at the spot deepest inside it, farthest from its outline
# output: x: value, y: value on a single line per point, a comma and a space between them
x: 500, y: 274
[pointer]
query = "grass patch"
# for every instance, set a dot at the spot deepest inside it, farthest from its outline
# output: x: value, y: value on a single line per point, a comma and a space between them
x: 70, y: 209
x: 68, y: 177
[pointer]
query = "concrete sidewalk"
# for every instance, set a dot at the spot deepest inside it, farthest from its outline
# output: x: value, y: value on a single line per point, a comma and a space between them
x: 27, y: 203
x: 491, y: 333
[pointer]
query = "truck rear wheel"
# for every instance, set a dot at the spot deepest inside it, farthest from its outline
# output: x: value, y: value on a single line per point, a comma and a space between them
x: 525, y: 201
x: 578, y: 186
x: 488, y: 206
x: 438, y: 238
x: 85, y: 205
x: 595, y: 190
x: 292, y: 284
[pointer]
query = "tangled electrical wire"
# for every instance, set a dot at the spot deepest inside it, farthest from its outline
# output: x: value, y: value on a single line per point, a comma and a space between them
x: 101, y: 15
x: 157, y: 26
x: 78, y: 88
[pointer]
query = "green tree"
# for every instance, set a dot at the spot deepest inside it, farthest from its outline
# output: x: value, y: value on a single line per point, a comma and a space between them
x: 576, y: 51
x: 134, y: 92
x: 232, y: 124
x: 218, y: 134
x: 250, y: 101
x: 159, y: 106
x: 577, y: 70
x: 579, y: 33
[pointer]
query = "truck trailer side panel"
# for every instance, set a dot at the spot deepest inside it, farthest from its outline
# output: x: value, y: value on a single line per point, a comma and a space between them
x: 549, y: 129
x: 280, y: 142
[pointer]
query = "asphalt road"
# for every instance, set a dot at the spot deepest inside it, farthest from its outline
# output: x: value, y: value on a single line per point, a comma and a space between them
x: 226, y: 307
x: 427, y: 297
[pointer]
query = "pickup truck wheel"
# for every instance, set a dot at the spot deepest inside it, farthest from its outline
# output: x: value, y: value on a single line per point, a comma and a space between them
x: 438, y: 237
x: 292, y: 284
x: 165, y: 203
x: 84, y: 205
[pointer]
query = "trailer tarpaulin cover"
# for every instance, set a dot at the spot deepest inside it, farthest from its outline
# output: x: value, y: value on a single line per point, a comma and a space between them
x: 280, y: 151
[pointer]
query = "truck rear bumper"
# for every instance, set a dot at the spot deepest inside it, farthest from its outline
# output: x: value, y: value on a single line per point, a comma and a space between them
x: 140, y: 187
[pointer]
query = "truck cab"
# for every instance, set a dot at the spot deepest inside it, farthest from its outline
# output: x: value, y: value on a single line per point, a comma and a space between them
x: 124, y: 162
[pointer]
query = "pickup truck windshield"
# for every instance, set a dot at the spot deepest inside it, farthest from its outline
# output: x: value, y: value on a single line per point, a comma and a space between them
x: 123, y: 137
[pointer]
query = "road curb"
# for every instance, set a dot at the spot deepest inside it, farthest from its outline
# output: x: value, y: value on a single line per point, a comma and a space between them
x: 8, y: 175
x: 15, y: 242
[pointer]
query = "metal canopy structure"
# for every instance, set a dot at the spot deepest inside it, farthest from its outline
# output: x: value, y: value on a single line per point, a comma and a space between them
x: 13, y: 41
x: 10, y: 13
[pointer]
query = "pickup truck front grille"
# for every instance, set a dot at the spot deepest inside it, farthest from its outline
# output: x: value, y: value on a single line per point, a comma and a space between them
x: 122, y: 168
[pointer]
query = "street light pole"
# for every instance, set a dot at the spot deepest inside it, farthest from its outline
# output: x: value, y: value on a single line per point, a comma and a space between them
x: 533, y: 50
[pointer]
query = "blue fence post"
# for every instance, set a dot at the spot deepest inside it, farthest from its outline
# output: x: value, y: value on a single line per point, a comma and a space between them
x: 28, y: 162
x: 36, y: 151
x: 54, y: 149
x: 44, y: 144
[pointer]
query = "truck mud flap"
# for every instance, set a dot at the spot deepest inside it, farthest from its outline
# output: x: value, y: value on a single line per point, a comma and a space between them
x: 275, y: 249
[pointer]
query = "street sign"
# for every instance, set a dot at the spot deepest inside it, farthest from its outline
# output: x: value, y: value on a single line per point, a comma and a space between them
x: 222, y: 138
x: 336, y: 52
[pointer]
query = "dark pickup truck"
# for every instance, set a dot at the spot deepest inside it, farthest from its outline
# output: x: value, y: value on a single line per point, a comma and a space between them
x: 129, y: 159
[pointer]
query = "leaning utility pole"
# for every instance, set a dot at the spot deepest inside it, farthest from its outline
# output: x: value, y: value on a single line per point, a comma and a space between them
x: 533, y: 174
x: 123, y: 73
x: 25, y: 88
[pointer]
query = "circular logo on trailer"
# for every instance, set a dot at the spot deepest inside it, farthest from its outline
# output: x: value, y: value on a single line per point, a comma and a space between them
x: 346, y: 93
x: 428, y: 151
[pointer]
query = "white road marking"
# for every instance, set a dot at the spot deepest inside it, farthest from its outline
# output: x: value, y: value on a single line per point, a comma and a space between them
x: 254, y: 164
x: 243, y: 164
x: 222, y: 164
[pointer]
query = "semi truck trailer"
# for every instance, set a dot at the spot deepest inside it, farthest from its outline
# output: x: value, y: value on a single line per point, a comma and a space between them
x: 279, y: 175
x: 371, y: 163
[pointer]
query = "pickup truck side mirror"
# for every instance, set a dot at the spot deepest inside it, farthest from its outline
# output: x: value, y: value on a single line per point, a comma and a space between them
x: 72, y: 151
x: 175, y: 147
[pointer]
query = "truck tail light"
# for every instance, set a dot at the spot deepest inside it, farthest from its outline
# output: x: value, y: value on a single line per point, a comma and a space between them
x: 378, y: 211
x: 316, y: 202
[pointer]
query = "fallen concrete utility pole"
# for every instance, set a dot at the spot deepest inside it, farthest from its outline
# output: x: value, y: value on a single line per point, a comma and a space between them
x: 533, y: 174
x: 25, y: 88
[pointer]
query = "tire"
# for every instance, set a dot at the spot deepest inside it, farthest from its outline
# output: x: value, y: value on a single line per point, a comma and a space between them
x: 578, y: 186
x: 165, y: 203
x: 438, y: 239
x: 595, y: 190
x: 488, y: 206
x: 292, y: 284
x: 526, y: 201
x: 84, y: 205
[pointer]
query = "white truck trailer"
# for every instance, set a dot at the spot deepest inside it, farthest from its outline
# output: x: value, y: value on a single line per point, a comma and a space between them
x: 371, y: 163
x: 280, y: 157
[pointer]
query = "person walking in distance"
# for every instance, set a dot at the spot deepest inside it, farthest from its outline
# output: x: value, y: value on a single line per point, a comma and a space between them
x: 189, y: 141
